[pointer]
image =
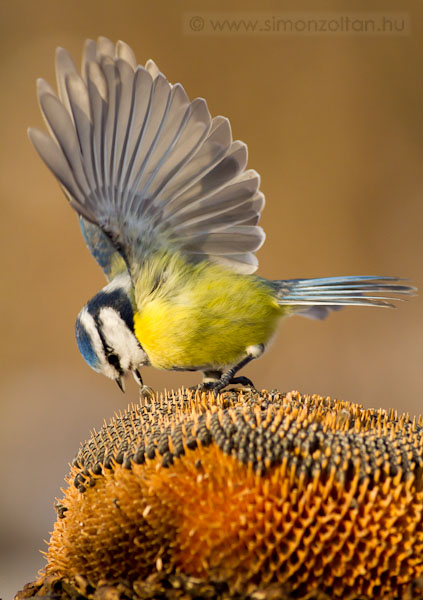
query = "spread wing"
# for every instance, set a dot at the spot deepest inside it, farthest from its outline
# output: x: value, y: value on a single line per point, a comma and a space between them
x: 148, y: 167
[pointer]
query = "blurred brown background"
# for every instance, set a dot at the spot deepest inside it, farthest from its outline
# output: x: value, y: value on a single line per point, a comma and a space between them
x: 334, y: 124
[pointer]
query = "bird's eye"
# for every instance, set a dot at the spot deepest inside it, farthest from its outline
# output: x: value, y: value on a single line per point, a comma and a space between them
x: 114, y: 361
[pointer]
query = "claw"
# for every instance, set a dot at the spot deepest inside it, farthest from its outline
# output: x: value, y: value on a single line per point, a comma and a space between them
x: 147, y: 394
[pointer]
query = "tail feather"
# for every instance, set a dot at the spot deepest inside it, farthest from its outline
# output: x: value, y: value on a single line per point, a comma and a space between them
x: 315, y: 298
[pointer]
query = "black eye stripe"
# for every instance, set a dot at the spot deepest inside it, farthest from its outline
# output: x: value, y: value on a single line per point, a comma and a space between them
x: 106, y: 347
x: 113, y: 360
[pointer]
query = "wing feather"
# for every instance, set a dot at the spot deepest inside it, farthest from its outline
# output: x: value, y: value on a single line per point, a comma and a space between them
x: 124, y: 52
x: 232, y: 240
x: 126, y: 74
x: 81, y: 113
x: 236, y: 198
x: 97, y: 91
x: 56, y: 162
x: 146, y: 166
x: 62, y: 126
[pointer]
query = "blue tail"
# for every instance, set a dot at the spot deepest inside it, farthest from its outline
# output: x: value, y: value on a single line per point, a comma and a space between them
x: 315, y: 298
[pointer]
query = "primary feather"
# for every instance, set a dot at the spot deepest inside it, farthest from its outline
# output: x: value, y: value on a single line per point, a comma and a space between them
x: 148, y: 167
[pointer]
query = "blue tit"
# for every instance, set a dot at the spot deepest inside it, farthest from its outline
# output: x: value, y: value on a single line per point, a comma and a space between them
x: 169, y: 210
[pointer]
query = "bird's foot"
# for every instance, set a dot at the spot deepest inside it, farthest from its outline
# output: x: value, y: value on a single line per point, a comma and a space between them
x: 242, y: 382
x: 147, y: 394
x: 238, y: 382
x: 218, y: 385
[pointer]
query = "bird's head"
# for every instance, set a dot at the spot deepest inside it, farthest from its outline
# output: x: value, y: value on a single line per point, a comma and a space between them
x: 105, y: 336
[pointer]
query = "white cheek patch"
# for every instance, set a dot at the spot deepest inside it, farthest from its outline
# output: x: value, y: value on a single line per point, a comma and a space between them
x: 121, y: 339
x: 87, y: 320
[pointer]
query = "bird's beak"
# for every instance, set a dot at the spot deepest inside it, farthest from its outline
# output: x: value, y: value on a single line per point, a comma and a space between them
x: 121, y: 383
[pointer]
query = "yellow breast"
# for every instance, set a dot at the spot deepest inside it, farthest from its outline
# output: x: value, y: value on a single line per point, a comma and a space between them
x: 205, y: 316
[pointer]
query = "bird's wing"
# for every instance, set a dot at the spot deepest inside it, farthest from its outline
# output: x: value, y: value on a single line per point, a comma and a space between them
x: 150, y: 168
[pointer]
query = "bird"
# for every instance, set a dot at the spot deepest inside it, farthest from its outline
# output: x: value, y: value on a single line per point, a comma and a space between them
x: 170, y: 212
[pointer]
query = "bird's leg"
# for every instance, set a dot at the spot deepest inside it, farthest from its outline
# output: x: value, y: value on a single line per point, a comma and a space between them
x: 210, y: 378
x: 227, y: 378
x: 146, y: 392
